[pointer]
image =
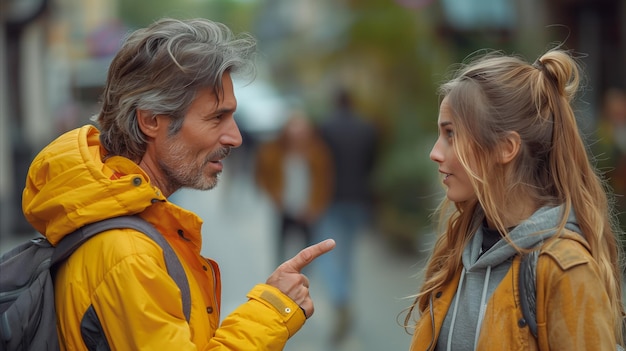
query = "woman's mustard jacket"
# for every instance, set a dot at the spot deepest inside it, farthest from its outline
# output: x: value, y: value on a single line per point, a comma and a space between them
x: 572, y: 306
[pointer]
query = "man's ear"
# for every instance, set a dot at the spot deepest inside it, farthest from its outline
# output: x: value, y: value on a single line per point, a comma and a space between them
x: 510, y: 147
x: 148, y: 123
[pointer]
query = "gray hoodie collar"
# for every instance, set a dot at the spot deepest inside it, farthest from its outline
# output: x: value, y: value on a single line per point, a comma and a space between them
x: 538, y: 227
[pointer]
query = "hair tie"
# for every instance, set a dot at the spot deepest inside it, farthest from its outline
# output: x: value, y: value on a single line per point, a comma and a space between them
x: 542, y: 68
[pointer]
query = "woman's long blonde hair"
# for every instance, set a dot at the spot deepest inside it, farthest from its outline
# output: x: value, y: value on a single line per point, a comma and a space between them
x: 491, y: 97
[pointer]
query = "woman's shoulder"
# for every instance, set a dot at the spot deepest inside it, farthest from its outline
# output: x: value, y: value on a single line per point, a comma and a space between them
x: 568, y: 250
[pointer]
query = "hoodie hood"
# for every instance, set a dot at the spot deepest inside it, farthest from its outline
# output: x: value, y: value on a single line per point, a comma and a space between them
x: 528, y: 234
x: 68, y: 185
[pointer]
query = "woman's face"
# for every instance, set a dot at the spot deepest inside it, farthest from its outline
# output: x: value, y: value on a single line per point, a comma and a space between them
x: 455, y: 177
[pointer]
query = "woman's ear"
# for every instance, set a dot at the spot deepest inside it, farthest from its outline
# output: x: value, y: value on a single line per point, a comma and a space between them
x: 510, y: 147
x: 148, y: 123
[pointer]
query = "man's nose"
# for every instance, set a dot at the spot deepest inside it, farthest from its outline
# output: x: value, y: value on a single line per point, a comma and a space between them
x: 232, y: 136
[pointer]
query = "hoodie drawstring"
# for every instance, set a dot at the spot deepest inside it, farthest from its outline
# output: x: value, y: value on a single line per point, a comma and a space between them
x: 454, y: 311
x: 483, y: 306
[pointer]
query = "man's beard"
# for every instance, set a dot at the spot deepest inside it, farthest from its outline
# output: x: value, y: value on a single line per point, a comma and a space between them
x: 179, y: 173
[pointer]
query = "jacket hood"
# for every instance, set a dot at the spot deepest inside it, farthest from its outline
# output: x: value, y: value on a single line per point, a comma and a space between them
x: 528, y: 234
x: 59, y: 198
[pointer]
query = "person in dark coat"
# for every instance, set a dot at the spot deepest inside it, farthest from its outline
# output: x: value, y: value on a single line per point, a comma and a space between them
x: 352, y: 141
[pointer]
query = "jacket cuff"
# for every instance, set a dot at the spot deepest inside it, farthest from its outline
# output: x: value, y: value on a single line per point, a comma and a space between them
x: 291, y: 314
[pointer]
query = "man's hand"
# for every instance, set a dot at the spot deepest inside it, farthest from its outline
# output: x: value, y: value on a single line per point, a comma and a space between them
x: 288, y: 279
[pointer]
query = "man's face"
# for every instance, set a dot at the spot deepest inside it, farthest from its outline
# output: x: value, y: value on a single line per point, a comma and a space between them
x: 192, y: 158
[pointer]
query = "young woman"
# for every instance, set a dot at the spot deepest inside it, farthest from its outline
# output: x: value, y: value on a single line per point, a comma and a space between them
x: 518, y: 178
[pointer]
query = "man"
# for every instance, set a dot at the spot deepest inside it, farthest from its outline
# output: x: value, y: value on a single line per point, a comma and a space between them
x: 166, y: 122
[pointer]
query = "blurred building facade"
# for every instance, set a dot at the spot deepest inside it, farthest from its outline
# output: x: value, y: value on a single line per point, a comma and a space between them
x: 46, y: 63
x: 54, y: 55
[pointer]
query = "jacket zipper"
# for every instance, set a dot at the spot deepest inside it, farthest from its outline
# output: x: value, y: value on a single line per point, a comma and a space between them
x: 213, y: 274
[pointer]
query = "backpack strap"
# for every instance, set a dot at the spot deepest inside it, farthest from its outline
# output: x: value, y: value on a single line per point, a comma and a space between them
x: 175, y: 269
x: 528, y: 289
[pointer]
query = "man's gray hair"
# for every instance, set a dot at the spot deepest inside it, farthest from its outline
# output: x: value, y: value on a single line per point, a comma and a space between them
x: 160, y: 69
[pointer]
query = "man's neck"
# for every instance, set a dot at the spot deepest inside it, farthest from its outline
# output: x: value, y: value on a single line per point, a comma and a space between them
x: 156, y: 177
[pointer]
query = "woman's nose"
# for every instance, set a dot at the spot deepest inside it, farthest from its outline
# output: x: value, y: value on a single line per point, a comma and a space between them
x: 435, y: 153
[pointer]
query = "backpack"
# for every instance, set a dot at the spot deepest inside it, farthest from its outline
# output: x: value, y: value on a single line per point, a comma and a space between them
x: 27, y: 313
x: 528, y: 291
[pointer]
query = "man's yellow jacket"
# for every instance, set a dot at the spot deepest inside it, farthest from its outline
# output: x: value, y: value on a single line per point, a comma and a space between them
x: 115, y: 290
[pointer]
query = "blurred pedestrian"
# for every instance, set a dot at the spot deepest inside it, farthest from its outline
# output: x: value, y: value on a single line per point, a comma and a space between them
x: 518, y: 179
x: 352, y: 141
x: 293, y: 170
x: 166, y: 123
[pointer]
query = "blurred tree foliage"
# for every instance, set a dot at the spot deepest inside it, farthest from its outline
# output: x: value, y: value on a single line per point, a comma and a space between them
x: 139, y: 13
x: 402, y: 98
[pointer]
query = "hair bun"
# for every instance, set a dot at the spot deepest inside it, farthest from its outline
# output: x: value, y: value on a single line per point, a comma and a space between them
x: 560, y: 66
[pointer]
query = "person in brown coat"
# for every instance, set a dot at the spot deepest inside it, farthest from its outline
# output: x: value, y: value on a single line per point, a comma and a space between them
x: 295, y: 171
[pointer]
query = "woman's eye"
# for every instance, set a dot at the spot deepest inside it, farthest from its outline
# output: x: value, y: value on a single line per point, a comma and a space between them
x: 449, y: 133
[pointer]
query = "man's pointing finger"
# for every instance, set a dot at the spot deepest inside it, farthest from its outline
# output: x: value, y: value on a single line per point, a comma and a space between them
x: 307, y: 255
